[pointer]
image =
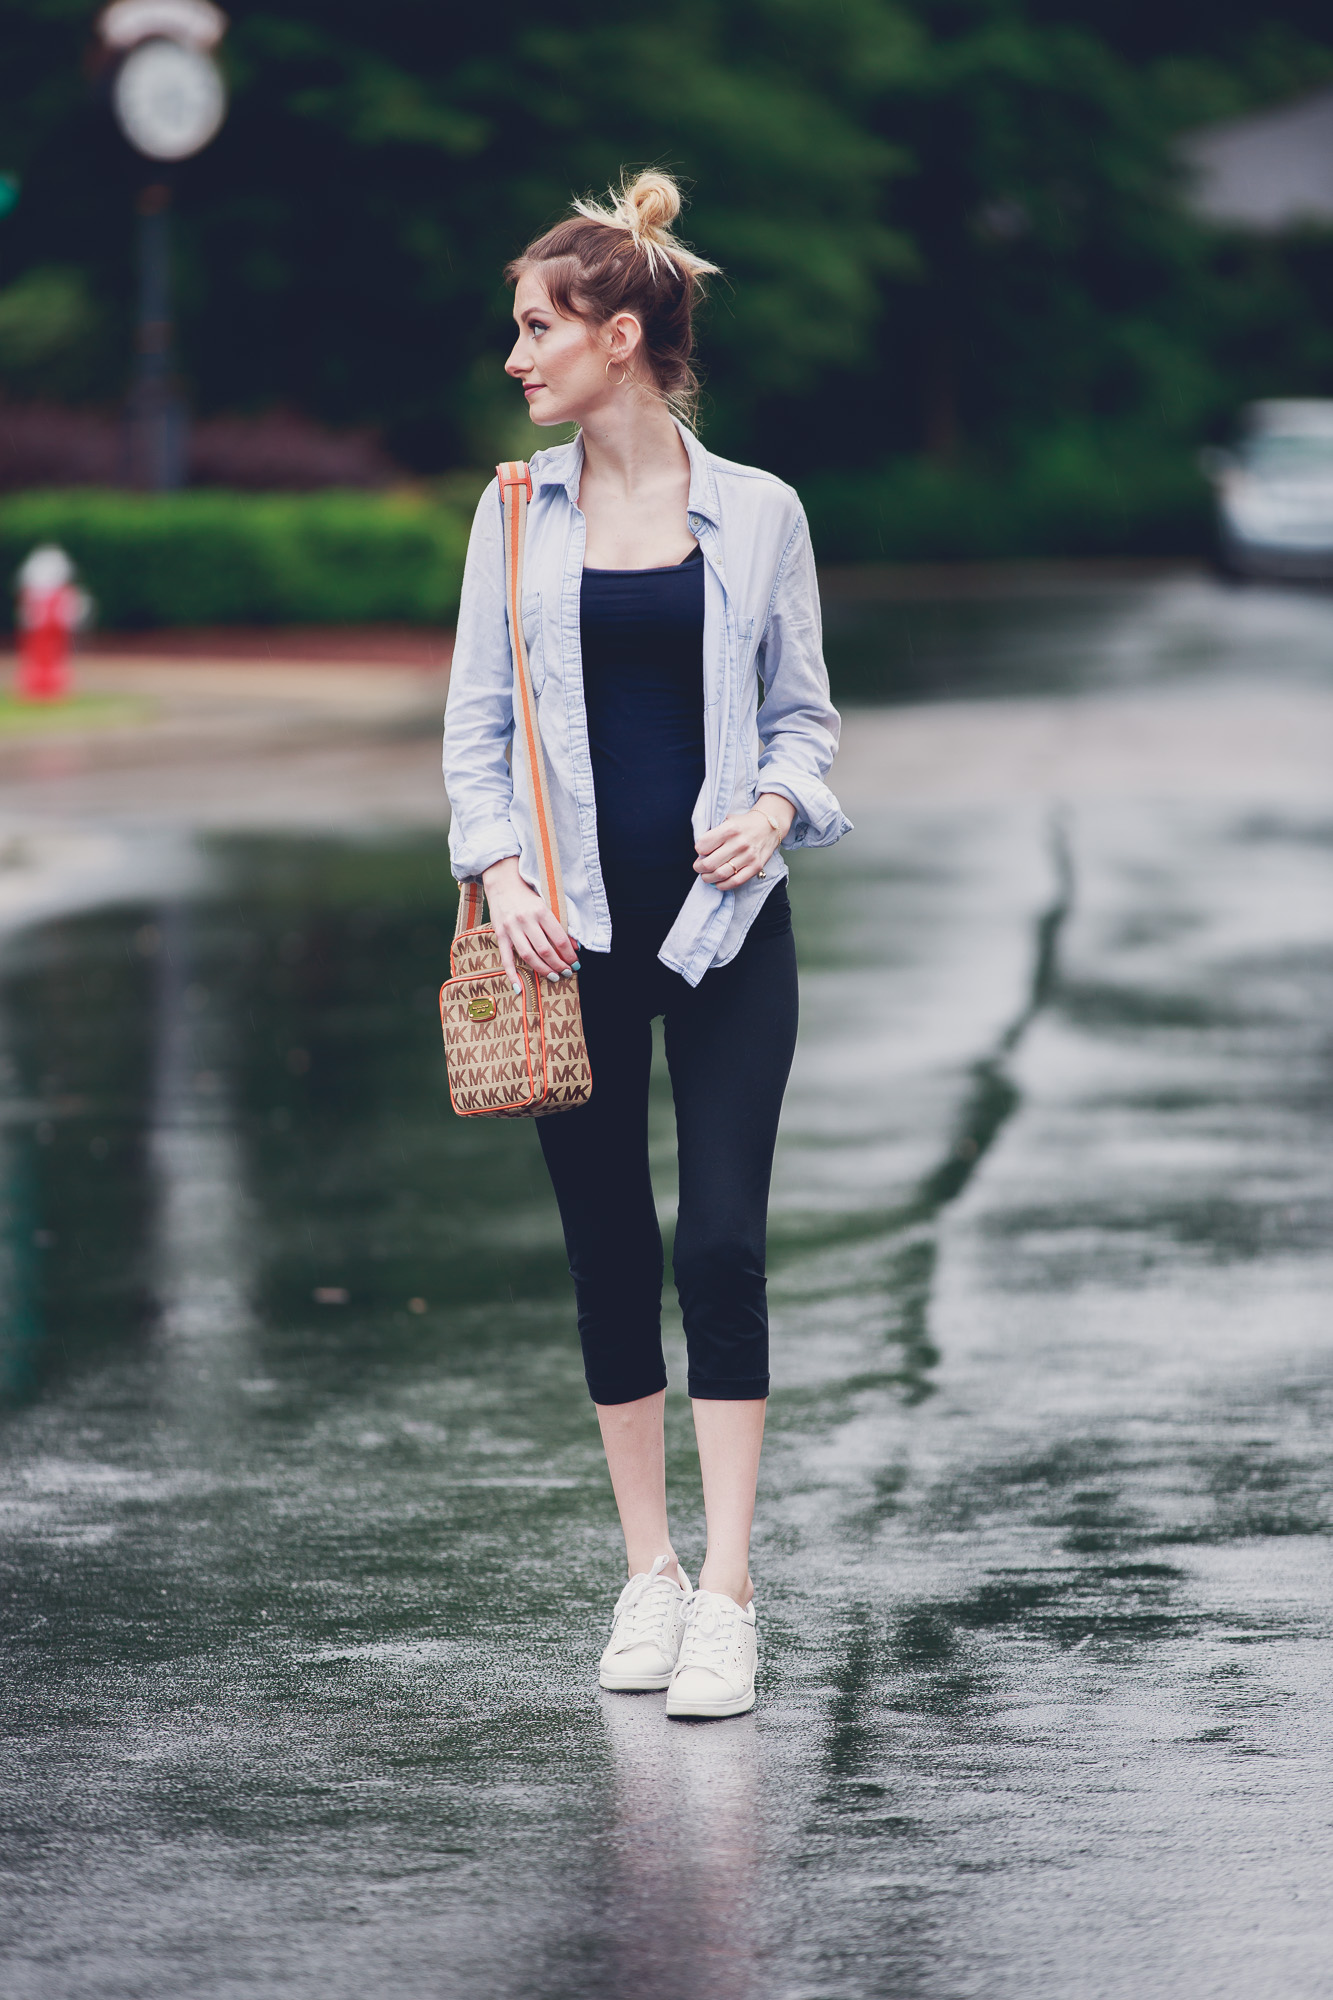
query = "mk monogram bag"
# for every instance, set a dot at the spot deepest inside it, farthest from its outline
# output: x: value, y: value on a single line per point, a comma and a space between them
x: 514, y: 1055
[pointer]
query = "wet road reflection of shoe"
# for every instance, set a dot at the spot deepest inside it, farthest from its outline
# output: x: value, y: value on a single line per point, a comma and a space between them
x: 686, y: 1840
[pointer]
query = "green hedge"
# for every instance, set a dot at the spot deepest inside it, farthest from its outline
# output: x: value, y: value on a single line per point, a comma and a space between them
x: 1071, y: 495
x: 221, y: 558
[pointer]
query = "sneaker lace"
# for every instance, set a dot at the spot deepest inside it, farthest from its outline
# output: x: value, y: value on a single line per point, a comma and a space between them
x: 713, y: 1627
x: 643, y: 1611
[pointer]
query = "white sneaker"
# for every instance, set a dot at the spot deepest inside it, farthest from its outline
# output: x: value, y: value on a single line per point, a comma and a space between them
x: 715, y: 1671
x: 646, y: 1627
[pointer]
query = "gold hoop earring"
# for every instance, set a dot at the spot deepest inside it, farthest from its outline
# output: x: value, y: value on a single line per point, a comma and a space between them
x: 624, y: 372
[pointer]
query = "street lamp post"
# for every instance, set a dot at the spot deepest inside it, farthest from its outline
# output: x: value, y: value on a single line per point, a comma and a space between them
x: 169, y: 102
x: 157, y: 409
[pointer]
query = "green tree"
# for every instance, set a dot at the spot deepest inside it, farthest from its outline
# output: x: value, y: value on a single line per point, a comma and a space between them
x: 340, y: 244
x: 949, y: 227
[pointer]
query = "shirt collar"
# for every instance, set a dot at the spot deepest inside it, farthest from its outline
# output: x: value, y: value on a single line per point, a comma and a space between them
x: 562, y: 465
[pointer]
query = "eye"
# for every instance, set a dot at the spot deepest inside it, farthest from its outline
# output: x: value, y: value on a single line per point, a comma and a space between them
x: 537, y: 327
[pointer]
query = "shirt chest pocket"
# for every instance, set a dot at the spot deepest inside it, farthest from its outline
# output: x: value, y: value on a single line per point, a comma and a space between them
x: 532, y: 637
x: 741, y: 649
x: 745, y: 662
x: 748, y: 743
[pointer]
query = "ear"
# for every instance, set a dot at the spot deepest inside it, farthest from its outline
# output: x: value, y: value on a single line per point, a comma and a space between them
x: 624, y: 336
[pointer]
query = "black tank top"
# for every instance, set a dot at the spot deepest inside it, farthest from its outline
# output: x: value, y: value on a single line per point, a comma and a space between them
x: 642, y: 634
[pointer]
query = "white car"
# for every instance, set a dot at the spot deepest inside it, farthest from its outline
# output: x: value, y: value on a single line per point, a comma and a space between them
x: 1275, y: 491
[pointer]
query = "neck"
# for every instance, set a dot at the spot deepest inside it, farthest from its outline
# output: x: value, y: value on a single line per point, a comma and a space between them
x: 631, y: 440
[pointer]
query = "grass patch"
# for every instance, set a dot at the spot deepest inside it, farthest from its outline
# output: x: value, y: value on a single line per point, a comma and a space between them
x: 77, y: 711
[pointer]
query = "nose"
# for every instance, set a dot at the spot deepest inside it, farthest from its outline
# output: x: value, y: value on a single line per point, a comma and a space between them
x: 518, y: 364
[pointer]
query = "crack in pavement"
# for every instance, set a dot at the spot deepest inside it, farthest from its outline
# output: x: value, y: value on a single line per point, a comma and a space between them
x: 989, y: 1103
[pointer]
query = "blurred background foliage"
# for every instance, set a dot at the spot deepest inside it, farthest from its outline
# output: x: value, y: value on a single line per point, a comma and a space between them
x: 966, y: 309
x: 218, y: 557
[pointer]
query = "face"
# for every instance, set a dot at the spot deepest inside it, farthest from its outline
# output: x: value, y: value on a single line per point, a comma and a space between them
x: 569, y: 370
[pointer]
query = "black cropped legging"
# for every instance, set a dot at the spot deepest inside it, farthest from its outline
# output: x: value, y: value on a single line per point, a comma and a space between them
x: 729, y: 1044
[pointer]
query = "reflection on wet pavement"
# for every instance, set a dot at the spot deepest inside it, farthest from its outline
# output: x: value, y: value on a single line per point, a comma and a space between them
x: 308, y: 1547
x: 1060, y: 637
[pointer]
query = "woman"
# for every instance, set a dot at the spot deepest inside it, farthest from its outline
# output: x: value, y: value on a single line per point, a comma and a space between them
x: 661, y: 587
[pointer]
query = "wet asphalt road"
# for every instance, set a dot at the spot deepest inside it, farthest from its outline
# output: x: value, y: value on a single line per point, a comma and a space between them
x: 303, y: 1597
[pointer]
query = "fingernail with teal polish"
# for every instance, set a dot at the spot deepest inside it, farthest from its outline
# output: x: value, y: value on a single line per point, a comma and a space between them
x: 576, y: 966
x: 518, y: 986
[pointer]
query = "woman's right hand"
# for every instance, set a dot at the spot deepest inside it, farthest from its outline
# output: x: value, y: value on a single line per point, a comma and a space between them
x: 524, y: 928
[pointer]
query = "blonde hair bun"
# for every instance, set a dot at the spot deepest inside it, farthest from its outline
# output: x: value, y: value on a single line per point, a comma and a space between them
x: 653, y: 200
x: 646, y: 207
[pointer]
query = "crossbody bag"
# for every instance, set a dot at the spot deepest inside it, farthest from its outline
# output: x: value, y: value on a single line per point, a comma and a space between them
x: 514, y: 1055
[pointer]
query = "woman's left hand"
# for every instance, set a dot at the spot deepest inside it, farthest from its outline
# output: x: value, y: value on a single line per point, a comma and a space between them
x: 733, y: 853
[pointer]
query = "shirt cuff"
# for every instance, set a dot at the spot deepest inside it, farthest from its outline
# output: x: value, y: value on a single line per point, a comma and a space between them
x: 484, y: 846
x: 819, y: 820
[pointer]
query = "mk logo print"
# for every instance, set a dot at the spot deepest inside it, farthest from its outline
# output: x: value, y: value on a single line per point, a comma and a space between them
x: 510, y: 1055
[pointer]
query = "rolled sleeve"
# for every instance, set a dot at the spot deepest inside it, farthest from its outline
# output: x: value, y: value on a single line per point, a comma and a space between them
x: 479, y: 713
x: 484, y: 846
x: 798, y: 724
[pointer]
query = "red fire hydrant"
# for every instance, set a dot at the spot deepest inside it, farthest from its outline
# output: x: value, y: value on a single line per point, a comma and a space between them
x: 51, y: 608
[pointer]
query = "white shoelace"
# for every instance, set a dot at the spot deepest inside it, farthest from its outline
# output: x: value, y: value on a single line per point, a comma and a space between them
x: 714, y: 1628
x: 644, y: 1614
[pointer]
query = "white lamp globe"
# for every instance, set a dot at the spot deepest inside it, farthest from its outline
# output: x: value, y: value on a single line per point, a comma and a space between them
x: 169, y: 100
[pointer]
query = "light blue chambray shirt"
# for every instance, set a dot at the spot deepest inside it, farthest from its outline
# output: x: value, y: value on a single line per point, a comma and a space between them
x: 761, y: 626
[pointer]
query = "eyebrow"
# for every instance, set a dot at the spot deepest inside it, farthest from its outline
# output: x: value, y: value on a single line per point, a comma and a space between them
x: 533, y: 312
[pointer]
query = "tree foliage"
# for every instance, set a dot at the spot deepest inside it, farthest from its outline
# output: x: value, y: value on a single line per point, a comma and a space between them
x: 947, y: 225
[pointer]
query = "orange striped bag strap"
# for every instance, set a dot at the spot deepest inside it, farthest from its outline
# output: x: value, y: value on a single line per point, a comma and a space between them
x: 515, y: 493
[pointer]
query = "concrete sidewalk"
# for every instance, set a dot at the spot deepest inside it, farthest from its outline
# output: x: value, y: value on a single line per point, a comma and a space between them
x: 190, y: 712
x: 255, y: 745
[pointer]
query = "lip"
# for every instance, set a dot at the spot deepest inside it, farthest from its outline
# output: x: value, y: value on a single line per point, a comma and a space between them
x: 531, y: 388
